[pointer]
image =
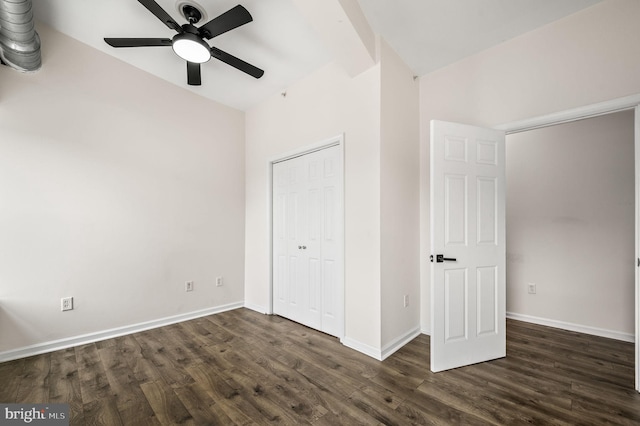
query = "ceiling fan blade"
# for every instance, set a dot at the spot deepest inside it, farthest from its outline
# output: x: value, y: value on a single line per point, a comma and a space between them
x: 232, y: 18
x: 193, y: 74
x: 138, y: 42
x: 236, y: 63
x: 161, y: 14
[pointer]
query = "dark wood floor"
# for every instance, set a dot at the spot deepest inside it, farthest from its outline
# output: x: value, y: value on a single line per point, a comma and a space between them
x: 241, y: 367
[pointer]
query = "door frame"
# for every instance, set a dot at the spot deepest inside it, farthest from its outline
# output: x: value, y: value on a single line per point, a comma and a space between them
x: 594, y: 110
x: 337, y: 140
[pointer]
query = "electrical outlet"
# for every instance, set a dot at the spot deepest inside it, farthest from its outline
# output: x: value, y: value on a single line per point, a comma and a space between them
x: 531, y: 288
x: 406, y: 300
x: 66, y: 303
x: 219, y: 282
x: 188, y: 286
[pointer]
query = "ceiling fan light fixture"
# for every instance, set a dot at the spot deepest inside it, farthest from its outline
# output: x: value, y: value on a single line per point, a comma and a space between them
x: 191, y: 48
x: 190, y: 42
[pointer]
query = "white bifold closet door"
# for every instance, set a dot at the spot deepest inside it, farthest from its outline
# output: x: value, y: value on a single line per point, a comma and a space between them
x: 308, y: 240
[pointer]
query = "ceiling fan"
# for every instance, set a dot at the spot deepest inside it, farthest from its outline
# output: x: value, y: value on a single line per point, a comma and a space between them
x: 189, y: 43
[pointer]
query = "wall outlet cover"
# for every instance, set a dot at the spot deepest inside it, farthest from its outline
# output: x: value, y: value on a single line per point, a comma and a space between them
x: 66, y: 304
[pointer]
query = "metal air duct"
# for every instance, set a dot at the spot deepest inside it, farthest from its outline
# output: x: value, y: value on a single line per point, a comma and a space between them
x: 19, y: 42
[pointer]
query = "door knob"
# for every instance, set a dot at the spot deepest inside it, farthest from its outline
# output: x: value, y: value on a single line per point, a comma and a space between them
x: 440, y: 258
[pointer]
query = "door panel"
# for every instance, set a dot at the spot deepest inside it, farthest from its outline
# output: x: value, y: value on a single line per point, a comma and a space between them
x: 468, y: 229
x: 487, y: 291
x: 455, y: 215
x: 487, y: 210
x: 455, y: 305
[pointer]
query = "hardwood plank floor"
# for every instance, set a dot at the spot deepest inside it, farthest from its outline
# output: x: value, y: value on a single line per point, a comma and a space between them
x: 241, y: 367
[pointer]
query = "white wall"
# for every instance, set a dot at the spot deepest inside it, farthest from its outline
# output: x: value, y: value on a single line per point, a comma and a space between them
x: 586, y: 58
x: 323, y: 105
x: 112, y: 194
x: 570, y: 222
x: 399, y: 198
x: 378, y: 113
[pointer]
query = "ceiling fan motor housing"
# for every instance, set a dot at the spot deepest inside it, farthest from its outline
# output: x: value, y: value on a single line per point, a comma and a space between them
x: 191, y: 13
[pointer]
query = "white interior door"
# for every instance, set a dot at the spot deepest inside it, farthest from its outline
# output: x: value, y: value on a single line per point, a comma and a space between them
x: 307, y: 240
x: 468, y: 245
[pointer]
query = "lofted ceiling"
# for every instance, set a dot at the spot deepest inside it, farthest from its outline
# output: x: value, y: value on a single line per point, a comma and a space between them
x: 430, y: 34
x: 427, y: 34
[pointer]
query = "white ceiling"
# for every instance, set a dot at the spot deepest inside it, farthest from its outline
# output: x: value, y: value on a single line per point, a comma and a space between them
x: 430, y: 34
x: 427, y: 34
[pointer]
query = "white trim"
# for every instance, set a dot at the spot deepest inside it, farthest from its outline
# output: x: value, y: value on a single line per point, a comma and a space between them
x: 270, y: 222
x: 399, y: 342
x: 388, y: 350
x: 637, y: 221
x: 307, y: 149
x: 575, y: 114
x: 425, y: 330
x: 337, y: 140
x: 83, y: 339
x: 257, y: 308
x: 611, y: 334
x: 363, y: 348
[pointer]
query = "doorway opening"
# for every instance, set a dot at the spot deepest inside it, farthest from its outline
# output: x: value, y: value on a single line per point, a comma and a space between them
x: 621, y: 104
x: 571, y: 226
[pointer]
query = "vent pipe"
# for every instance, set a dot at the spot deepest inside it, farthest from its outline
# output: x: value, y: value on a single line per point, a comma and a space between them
x: 19, y: 42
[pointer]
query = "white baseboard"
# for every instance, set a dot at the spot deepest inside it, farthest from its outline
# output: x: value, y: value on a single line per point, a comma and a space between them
x: 55, y: 345
x: 363, y: 348
x: 398, y: 343
x: 388, y: 350
x: 257, y: 308
x: 617, y: 335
